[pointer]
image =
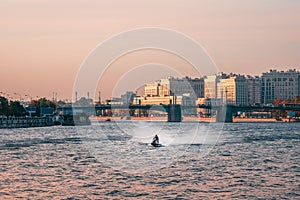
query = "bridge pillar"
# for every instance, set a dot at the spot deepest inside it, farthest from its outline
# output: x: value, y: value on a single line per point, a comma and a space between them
x: 224, y: 114
x: 174, y: 113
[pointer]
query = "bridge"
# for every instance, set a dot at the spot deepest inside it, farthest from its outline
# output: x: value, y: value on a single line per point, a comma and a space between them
x: 173, y: 110
x: 224, y: 113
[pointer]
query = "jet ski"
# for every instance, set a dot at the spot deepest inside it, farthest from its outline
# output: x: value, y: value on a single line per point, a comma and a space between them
x: 156, y: 145
x: 155, y: 142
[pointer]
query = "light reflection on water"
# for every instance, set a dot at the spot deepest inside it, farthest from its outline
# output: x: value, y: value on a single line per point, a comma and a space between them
x: 249, y: 161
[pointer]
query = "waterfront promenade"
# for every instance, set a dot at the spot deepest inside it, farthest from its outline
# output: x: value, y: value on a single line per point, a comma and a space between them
x: 185, y: 118
x: 25, y: 122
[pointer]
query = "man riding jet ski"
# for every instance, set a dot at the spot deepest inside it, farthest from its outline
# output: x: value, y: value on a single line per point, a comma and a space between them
x: 155, y: 141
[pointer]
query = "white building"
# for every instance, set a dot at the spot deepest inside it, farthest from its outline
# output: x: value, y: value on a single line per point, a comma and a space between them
x: 233, y: 90
x: 254, y: 90
x: 151, y: 89
x: 175, y: 86
x: 211, y: 85
x: 280, y: 85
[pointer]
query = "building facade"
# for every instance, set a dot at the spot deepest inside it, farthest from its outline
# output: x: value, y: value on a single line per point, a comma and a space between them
x: 254, y: 90
x: 151, y: 89
x: 128, y: 97
x: 280, y: 85
x: 211, y: 85
x: 233, y: 90
x: 175, y: 87
x: 197, y: 84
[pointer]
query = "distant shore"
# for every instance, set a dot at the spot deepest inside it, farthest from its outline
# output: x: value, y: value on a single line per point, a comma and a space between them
x: 25, y: 122
x: 252, y: 120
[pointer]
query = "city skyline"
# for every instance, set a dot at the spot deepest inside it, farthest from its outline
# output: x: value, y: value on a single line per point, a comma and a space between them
x: 44, y: 43
x: 190, y: 85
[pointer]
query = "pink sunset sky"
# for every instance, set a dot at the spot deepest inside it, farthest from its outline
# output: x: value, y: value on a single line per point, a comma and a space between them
x: 44, y: 42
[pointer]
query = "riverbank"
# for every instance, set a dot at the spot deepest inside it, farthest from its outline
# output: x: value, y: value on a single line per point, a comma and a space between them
x: 201, y: 119
x: 25, y: 122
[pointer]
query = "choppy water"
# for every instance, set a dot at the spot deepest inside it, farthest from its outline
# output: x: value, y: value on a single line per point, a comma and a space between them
x: 113, y: 160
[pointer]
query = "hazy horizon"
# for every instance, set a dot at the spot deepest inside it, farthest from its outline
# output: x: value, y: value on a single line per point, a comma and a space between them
x: 44, y: 43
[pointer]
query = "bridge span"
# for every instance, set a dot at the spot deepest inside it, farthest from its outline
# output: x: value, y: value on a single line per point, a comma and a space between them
x: 224, y: 113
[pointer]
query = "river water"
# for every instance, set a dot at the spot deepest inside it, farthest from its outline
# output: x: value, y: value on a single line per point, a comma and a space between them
x: 113, y: 160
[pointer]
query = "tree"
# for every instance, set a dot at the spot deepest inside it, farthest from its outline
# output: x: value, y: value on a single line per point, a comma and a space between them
x: 41, y: 103
x: 12, y: 108
x: 286, y: 101
x: 281, y: 113
x: 16, y: 109
x: 61, y: 103
x: 83, y: 102
x: 277, y: 102
x: 4, y: 107
x: 297, y: 99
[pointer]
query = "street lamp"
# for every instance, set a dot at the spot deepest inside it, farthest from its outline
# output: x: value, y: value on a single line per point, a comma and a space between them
x: 5, y: 95
x: 9, y: 98
x: 54, y: 97
x: 26, y: 95
x: 19, y: 95
x: 99, y: 98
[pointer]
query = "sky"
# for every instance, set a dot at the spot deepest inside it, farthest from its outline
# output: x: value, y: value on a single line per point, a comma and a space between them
x: 44, y: 42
